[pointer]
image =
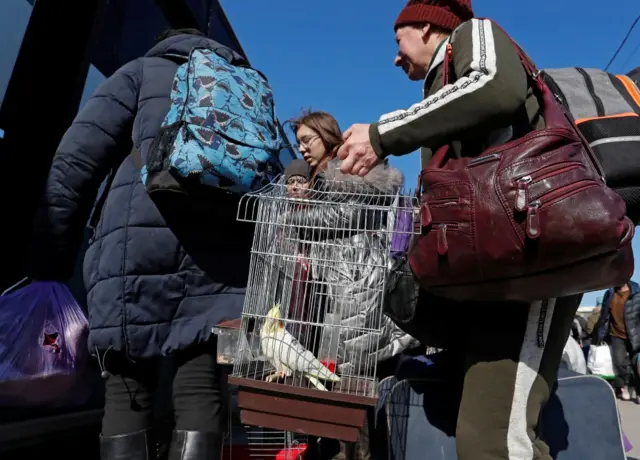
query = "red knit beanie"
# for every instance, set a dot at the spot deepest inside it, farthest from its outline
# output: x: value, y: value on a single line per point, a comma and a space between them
x: 446, y: 14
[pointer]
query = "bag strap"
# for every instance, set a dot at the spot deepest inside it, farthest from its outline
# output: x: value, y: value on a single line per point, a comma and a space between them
x: 447, y: 65
x: 553, y: 111
x: 631, y: 91
x: 15, y: 286
x: 97, y: 209
x: 136, y: 157
x: 176, y: 58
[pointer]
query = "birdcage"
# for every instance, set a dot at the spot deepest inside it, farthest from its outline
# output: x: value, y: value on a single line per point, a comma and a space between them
x: 312, y: 318
x: 256, y: 443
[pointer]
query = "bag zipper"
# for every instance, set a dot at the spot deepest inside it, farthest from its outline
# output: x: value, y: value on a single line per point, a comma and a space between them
x: 564, y: 192
x: 523, y: 183
x: 442, y: 244
x: 533, y: 209
x: 443, y: 201
x: 483, y: 159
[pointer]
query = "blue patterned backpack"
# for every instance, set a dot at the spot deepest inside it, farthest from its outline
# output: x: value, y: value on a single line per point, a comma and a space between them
x: 221, y: 129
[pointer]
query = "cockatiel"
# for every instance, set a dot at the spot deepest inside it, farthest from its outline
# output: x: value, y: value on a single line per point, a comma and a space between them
x: 288, y: 356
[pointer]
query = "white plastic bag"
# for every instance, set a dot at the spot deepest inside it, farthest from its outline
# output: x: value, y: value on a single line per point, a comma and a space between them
x: 599, y: 361
x: 574, y: 357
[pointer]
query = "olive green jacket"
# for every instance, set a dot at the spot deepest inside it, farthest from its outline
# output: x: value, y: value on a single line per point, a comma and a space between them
x: 488, y: 102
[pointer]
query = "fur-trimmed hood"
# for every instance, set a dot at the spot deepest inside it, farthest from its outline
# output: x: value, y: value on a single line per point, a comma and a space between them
x: 384, y: 178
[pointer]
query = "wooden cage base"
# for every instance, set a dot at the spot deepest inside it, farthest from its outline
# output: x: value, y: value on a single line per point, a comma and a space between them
x: 325, y: 414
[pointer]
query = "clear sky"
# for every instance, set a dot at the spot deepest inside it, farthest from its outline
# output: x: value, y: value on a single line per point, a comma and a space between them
x: 337, y: 55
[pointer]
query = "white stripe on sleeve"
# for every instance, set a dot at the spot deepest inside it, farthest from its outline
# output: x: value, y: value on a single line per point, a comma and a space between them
x: 483, y: 70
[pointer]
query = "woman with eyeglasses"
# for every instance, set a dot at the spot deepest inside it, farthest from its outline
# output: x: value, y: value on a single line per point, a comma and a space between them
x: 356, y: 237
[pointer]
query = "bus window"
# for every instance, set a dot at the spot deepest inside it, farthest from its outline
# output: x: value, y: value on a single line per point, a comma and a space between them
x: 14, y: 17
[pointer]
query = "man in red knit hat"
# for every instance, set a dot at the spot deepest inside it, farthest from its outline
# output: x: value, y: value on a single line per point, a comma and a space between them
x: 509, y: 352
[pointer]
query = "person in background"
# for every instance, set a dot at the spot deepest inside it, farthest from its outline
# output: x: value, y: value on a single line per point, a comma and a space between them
x: 635, y: 76
x: 619, y: 326
x: 318, y: 135
x: 508, y: 353
x: 157, y: 282
x: 592, y: 319
x: 350, y: 284
x: 298, y: 178
x: 579, y: 331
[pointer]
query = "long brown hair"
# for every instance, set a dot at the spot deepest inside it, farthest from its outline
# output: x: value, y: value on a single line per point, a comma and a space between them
x: 328, y: 130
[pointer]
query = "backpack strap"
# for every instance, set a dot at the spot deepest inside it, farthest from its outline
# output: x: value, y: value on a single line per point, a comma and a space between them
x: 627, y: 87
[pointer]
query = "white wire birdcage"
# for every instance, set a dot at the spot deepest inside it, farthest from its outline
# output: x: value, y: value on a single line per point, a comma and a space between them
x: 257, y: 443
x: 265, y: 443
x: 319, y: 263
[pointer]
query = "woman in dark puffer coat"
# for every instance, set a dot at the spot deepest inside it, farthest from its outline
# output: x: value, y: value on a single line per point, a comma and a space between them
x: 157, y: 283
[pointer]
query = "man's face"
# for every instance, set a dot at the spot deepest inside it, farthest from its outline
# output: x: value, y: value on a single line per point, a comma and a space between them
x: 414, y: 55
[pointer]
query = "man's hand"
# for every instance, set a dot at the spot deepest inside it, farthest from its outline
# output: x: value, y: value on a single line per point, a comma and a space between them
x: 357, y: 154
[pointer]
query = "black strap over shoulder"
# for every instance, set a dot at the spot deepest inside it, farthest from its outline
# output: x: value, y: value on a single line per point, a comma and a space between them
x: 97, y: 209
x: 177, y: 58
x: 136, y: 157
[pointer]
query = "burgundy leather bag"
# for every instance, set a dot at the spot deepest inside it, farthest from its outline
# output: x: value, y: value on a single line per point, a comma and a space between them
x: 528, y: 220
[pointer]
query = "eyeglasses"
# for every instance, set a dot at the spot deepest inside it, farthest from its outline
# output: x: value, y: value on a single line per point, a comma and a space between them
x: 297, y: 180
x: 306, y: 141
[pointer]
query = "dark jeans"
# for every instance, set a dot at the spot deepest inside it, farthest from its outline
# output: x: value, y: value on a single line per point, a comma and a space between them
x: 132, y: 386
x: 621, y: 354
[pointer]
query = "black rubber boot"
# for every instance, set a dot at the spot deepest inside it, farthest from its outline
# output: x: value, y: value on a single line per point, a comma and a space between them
x: 195, y: 445
x: 130, y: 446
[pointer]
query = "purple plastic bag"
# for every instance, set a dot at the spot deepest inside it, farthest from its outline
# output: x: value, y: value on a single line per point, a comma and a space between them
x: 403, y: 227
x: 43, y: 347
x: 627, y: 444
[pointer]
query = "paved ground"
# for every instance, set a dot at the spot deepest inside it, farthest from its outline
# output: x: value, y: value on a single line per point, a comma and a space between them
x: 60, y: 449
x: 630, y: 415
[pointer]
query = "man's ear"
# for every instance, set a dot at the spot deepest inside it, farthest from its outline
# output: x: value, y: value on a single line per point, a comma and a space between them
x: 426, y: 29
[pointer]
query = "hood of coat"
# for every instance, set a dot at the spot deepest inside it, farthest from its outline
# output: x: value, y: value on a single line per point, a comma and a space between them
x: 384, y: 178
x: 181, y: 45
